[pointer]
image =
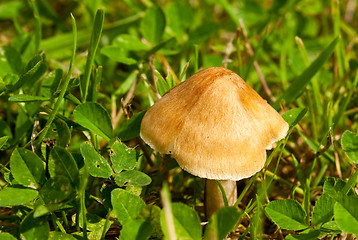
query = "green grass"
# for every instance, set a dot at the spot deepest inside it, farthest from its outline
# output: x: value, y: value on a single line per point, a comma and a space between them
x: 77, y: 77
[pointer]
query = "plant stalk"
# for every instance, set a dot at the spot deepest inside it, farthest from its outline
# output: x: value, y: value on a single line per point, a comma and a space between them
x: 215, y: 199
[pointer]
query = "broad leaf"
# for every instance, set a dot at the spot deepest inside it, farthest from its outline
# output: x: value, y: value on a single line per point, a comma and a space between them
x: 221, y: 223
x: 51, y: 82
x: 11, y: 196
x: 6, y: 236
x: 123, y: 157
x: 323, y: 209
x: 333, y: 187
x: 126, y: 205
x: 5, y: 129
x: 153, y: 24
x: 61, y: 235
x: 293, y: 116
x: 350, y: 145
x: 94, y: 117
x: 152, y: 213
x: 346, y: 214
x: 287, y: 214
x: 34, y: 228
x: 96, y: 164
x: 136, y: 229
x: 61, y: 162
x: 27, y: 168
x: 309, y: 234
x: 130, y: 43
x: 117, y: 54
x: 131, y: 128
x: 62, y: 133
x: 180, y: 17
x: 186, y: 222
x: 56, y: 189
x: 132, y: 178
x: 331, y: 226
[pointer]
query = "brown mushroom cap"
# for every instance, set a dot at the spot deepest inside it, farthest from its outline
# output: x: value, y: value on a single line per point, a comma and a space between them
x: 215, y: 126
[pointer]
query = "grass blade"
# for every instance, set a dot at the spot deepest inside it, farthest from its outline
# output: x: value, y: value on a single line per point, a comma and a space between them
x: 38, y: 32
x: 63, y: 87
x: 298, y: 85
x: 96, y: 35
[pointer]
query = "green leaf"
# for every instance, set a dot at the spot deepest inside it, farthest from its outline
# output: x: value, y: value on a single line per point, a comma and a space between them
x: 287, y: 214
x: 136, y: 229
x: 61, y: 235
x: 333, y: 187
x: 222, y: 222
x: 5, y: 67
x: 33, y: 71
x: 63, y: 87
x: 346, y: 214
x: 27, y: 98
x: 24, y: 124
x: 298, y: 85
x: 153, y: 24
x: 331, y: 226
x: 160, y: 46
x: 51, y: 82
x: 11, y: 196
x: 126, y: 206
x: 127, y: 84
x: 180, y: 17
x: 323, y: 209
x: 3, y: 141
x: 5, y: 129
x: 293, y: 116
x: 96, y: 164
x: 131, y: 128
x: 162, y: 84
x: 130, y: 43
x: 94, y: 117
x: 34, y: 228
x: 62, y: 133
x: 309, y: 234
x: 133, y: 178
x: 152, y: 213
x: 186, y: 222
x: 6, y: 236
x: 2, y: 86
x: 350, y: 145
x: 61, y: 162
x: 123, y: 157
x: 56, y: 189
x: 95, y: 224
x: 9, y: 10
x: 203, y: 32
x: 95, y: 37
x: 117, y: 54
x: 13, y: 60
x: 27, y: 168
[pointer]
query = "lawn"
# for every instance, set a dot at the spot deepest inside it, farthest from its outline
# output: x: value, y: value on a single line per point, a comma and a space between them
x: 78, y: 77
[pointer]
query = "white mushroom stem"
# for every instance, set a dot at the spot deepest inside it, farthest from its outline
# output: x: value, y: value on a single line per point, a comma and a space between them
x: 214, y: 198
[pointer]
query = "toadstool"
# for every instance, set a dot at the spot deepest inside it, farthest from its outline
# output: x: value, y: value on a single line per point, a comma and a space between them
x: 216, y: 127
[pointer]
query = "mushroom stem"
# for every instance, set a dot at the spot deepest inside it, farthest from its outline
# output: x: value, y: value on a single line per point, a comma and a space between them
x: 214, y: 198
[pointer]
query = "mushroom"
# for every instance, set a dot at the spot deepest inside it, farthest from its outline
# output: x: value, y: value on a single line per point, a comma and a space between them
x: 216, y: 127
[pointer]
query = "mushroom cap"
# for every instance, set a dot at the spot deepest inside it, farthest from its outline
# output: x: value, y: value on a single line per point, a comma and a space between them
x: 214, y: 125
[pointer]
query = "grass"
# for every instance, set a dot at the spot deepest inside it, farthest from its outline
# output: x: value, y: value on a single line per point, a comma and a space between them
x: 77, y: 77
